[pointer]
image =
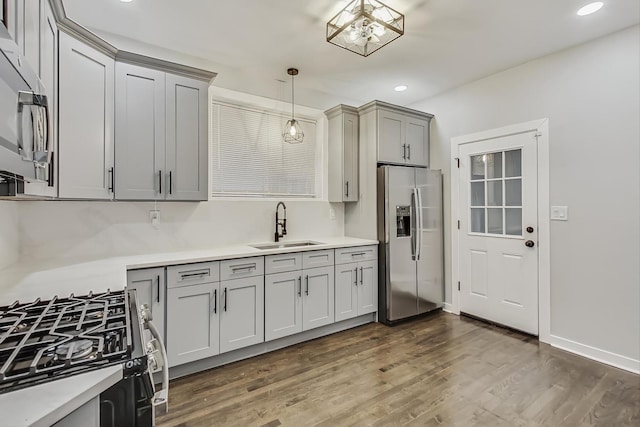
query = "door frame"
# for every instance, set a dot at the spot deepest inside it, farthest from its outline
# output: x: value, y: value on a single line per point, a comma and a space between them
x: 541, y: 127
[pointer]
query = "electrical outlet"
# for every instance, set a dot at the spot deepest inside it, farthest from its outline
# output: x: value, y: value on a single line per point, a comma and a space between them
x: 154, y: 216
x: 332, y: 213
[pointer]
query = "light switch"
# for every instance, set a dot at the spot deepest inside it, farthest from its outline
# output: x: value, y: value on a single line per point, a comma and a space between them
x: 560, y: 213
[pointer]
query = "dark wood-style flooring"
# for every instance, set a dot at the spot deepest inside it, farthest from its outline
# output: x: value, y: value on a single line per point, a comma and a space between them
x: 441, y: 370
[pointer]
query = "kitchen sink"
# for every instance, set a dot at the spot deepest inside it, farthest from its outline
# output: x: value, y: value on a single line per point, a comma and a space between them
x: 282, y: 245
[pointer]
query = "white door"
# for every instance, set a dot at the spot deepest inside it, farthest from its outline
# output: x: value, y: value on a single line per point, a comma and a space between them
x: 499, y: 229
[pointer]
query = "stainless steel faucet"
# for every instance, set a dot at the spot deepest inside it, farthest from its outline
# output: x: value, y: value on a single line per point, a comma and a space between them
x: 282, y: 223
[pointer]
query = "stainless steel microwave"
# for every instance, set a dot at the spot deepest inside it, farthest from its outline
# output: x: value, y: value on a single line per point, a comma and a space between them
x: 24, y: 116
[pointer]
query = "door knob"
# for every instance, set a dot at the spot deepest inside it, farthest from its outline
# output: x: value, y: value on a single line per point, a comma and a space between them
x: 529, y: 229
x: 529, y: 243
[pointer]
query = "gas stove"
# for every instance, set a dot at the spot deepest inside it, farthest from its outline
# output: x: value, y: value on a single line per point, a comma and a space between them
x: 43, y: 341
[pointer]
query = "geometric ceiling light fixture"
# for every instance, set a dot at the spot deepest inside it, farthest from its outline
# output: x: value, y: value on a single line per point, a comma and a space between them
x: 364, y: 26
x: 292, y: 131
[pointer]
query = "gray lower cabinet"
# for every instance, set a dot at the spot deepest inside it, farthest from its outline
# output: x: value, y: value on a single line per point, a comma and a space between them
x: 299, y: 294
x: 356, y: 287
x: 161, y: 135
x: 149, y: 285
x: 283, y: 304
x: 241, y: 313
x: 193, y: 329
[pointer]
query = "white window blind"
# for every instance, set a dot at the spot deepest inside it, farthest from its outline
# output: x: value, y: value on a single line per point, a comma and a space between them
x: 250, y: 158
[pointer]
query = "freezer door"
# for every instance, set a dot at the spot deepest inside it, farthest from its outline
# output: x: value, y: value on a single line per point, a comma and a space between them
x: 400, y: 251
x: 430, y: 264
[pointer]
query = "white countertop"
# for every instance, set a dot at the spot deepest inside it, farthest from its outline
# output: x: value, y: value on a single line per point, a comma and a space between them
x: 27, y: 280
x: 46, y: 404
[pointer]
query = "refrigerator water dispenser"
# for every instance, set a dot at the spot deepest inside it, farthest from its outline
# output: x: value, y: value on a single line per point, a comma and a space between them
x: 403, y: 221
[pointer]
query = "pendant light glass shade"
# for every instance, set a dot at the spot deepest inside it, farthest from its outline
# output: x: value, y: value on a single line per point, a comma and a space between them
x: 364, y: 26
x: 292, y: 131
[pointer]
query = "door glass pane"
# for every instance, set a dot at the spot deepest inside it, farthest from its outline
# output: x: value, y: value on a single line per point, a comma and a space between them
x: 514, y: 221
x: 513, y: 163
x: 494, y: 193
x: 477, y: 220
x: 513, y: 192
x: 494, y: 165
x: 477, y: 167
x: 494, y: 217
x: 477, y: 193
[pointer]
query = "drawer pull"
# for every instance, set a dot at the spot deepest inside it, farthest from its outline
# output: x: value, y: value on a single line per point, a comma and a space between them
x: 201, y: 274
x: 358, y: 254
x: 319, y: 256
x: 246, y: 267
x: 283, y: 260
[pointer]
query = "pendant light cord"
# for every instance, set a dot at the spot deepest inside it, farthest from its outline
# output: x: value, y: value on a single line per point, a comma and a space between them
x: 293, y: 99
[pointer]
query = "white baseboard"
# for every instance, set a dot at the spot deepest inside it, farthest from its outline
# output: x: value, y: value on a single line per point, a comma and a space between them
x: 449, y: 308
x: 596, y: 354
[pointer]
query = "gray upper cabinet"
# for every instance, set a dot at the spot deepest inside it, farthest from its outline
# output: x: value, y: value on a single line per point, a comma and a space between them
x: 86, y: 122
x: 402, y: 134
x: 187, y: 142
x: 161, y: 135
x: 343, y: 153
x: 140, y: 133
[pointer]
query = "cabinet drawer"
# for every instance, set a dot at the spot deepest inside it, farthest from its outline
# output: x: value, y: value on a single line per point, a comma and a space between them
x: 358, y: 253
x: 282, y: 263
x: 317, y: 259
x: 241, y: 267
x: 193, y: 274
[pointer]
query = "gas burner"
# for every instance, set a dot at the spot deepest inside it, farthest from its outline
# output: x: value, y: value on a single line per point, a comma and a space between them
x: 19, y: 328
x: 74, y: 350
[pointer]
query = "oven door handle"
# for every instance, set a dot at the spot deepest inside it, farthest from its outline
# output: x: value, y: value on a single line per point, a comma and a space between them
x: 161, y: 397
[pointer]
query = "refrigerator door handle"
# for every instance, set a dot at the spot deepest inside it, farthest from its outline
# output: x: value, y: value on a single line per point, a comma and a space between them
x: 414, y: 224
x: 419, y: 227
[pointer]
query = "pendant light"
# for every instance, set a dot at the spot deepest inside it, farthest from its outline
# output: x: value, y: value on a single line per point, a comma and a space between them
x: 292, y: 131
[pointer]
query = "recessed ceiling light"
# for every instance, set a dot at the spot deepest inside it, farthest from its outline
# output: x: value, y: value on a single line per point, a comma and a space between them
x: 126, y: 1
x: 400, y: 88
x: 590, y: 8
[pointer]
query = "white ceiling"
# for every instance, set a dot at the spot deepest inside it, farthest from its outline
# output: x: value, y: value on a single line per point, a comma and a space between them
x: 251, y: 43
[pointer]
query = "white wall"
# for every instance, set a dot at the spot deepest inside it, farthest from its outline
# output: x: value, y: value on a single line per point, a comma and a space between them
x: 591, y: 95
x: 89, y: 230
x: 9, y: 234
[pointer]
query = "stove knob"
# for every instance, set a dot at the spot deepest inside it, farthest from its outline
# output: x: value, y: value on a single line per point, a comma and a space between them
x: 153, y: 364
x: 145, y: 313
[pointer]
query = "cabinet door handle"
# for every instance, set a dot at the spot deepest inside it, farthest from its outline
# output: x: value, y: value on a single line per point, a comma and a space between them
x: 299, y: 286
x: 347, y: 195
x: 170, y: 183
x: 111, y: 180
x: 225, y: 299
x: 356, y: 282
x: 215, y: 301
x: 158, y: 289
x: 409, y: 151
x: 361, y: 275
x: 404, y: 151
x: 307, y: 283
x: 160, y: 181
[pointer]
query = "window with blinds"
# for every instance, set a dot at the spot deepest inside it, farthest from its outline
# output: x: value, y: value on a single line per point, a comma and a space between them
x: 250, y: 158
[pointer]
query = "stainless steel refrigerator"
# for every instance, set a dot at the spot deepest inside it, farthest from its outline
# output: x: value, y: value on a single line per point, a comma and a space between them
x: 411, y: 242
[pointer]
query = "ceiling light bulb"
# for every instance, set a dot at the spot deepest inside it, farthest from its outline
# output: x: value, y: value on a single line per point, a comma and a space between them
x: 292, y: 131
x: 590, y: 8
x: 400, y: 88
x: 379, y: 30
